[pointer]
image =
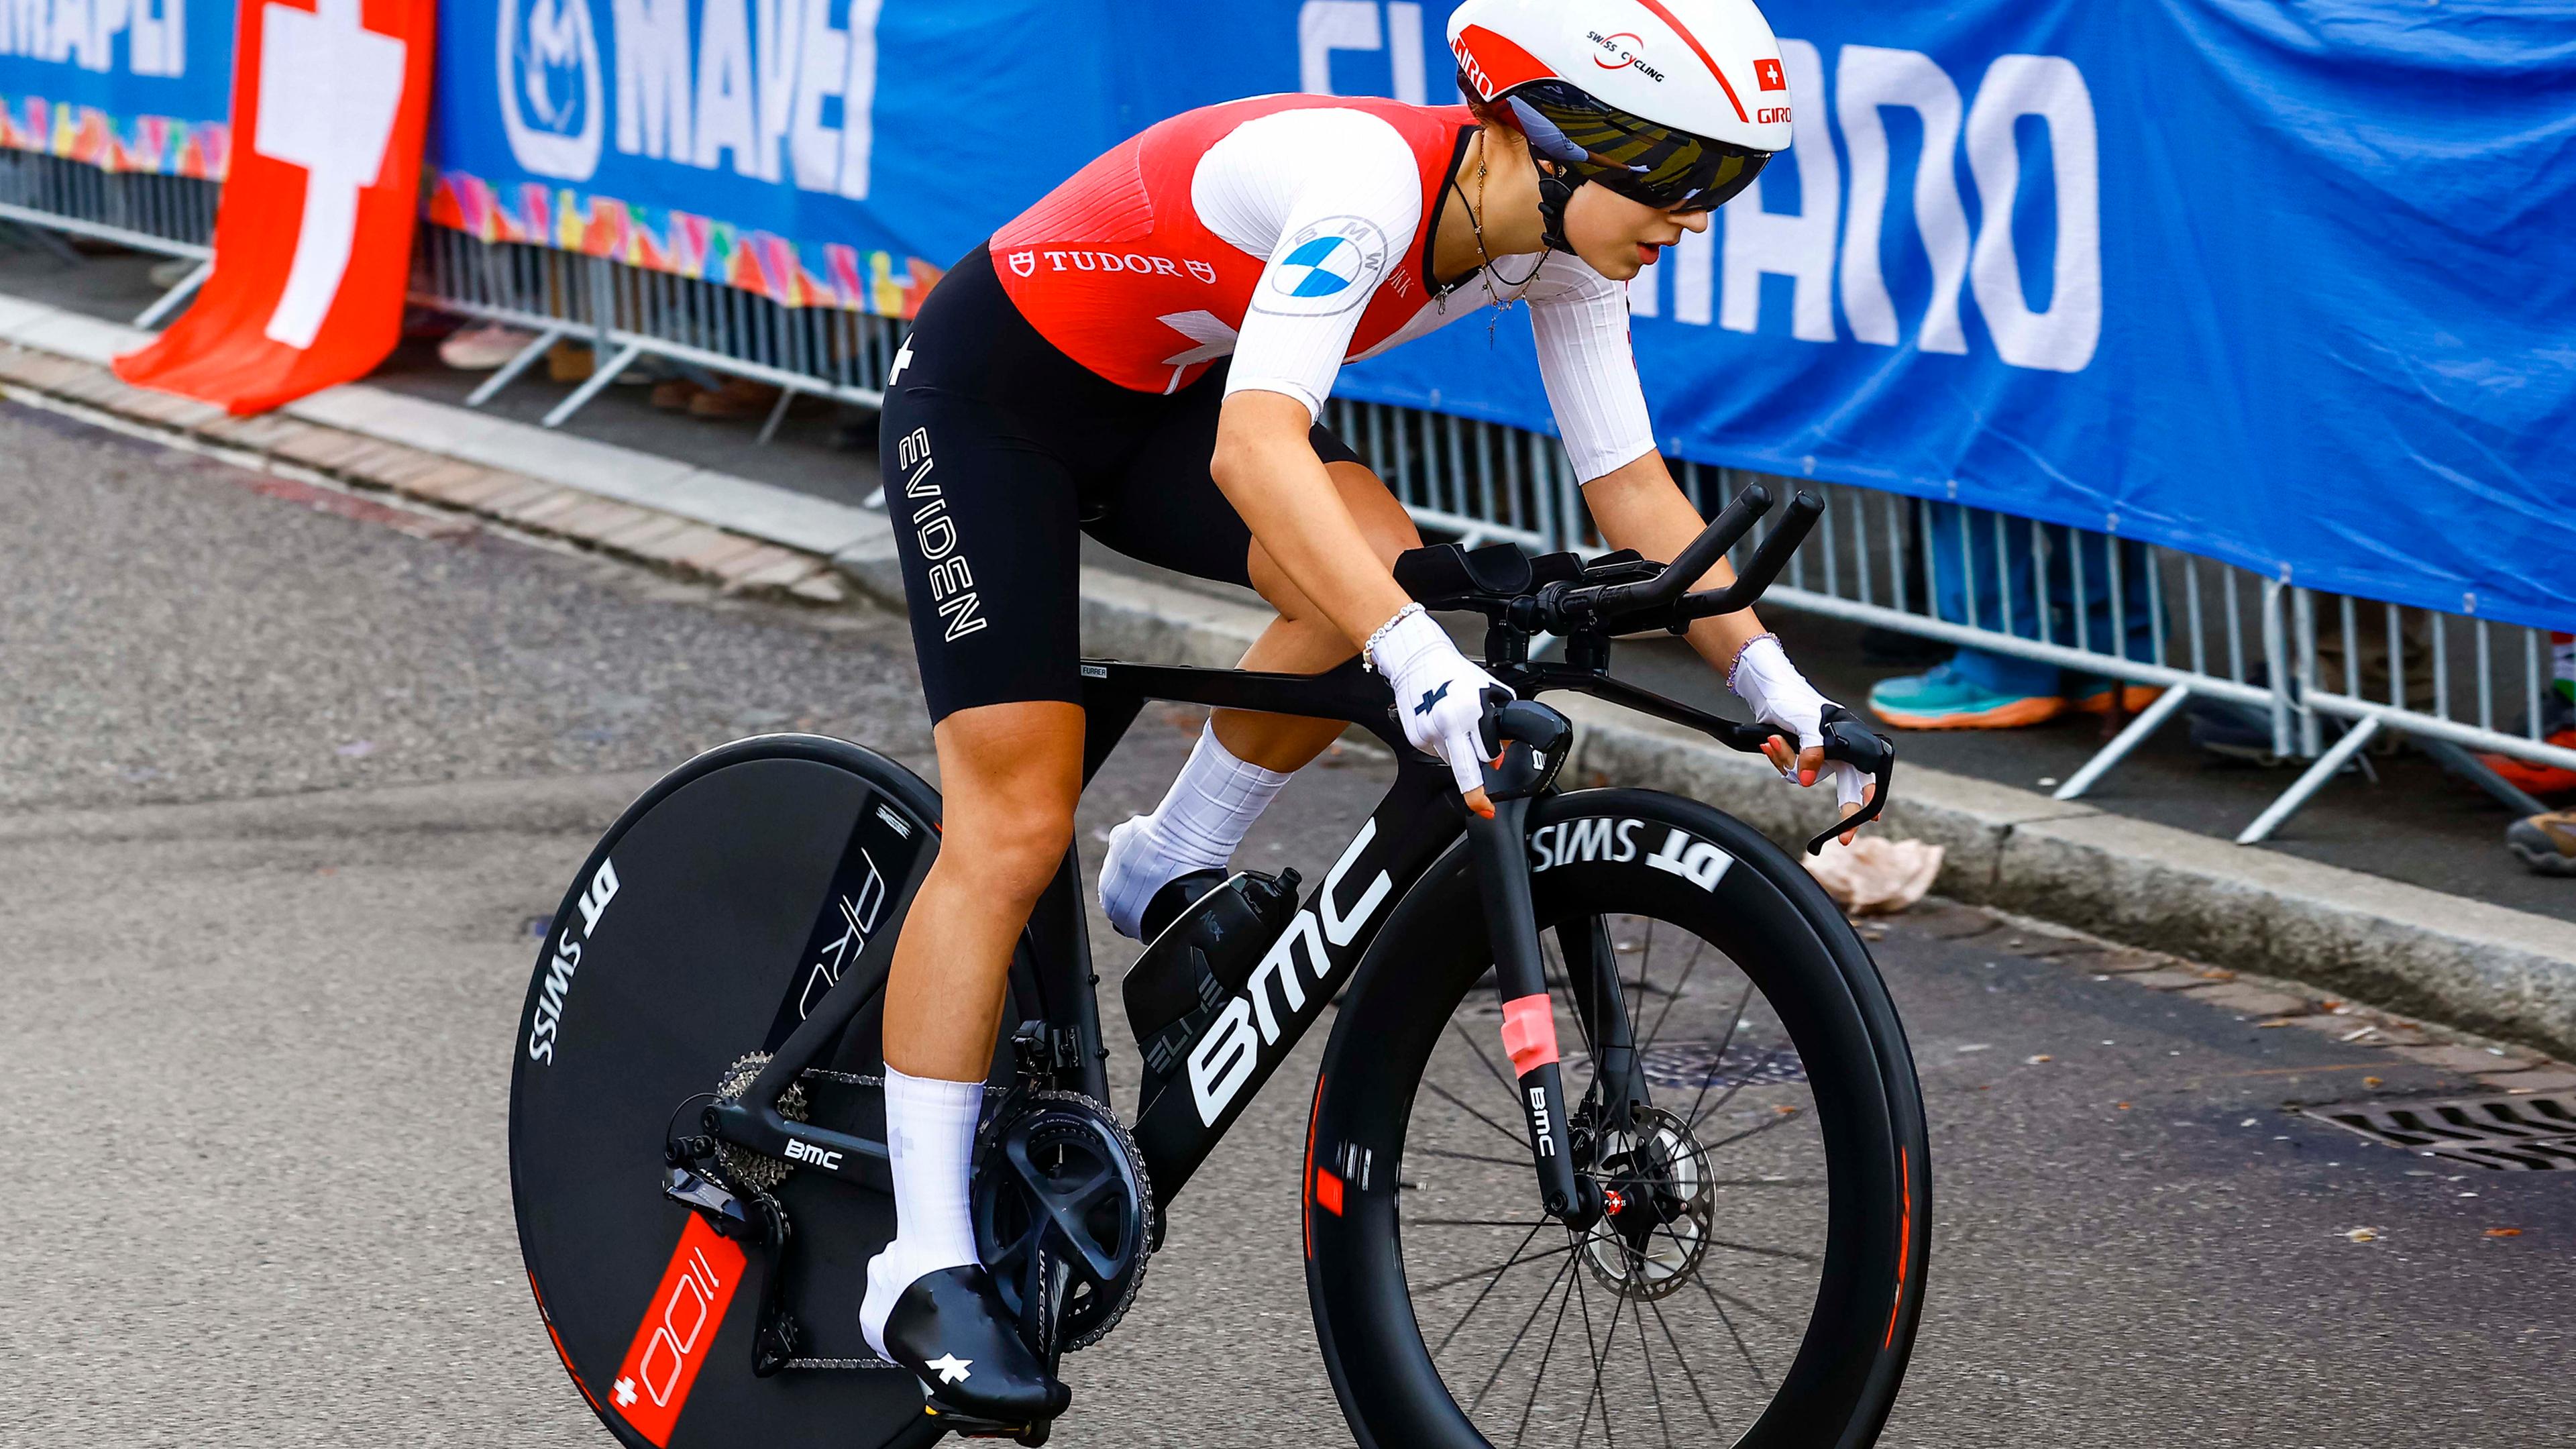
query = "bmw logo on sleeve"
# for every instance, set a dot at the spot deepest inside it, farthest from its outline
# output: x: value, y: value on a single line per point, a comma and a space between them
x: 1326, y: 266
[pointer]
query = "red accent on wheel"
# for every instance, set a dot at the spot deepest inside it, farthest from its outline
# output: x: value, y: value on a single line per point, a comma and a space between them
x: 1328, y: 1191
x: 1904, y: 1245
x: 1311, y: 1114
x: 679, y: 1328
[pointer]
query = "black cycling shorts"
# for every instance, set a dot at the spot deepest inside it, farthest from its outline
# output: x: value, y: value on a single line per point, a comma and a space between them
x: 999, y: 451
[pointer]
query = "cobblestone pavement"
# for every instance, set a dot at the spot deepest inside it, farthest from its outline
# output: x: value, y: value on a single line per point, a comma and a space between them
x: 282, y: 777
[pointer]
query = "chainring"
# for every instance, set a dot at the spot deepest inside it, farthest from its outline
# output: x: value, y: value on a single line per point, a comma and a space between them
x: 756, y: 1170
x: 1063, y: 1180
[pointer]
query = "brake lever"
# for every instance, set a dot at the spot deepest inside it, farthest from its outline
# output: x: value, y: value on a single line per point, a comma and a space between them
x: 1529, y: 743
x: 1853, y: 743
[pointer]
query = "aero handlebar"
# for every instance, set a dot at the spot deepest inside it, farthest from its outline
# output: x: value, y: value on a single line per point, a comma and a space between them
x: 1666, y: 599
x: 1695, y: 559
x: 1768, y: 560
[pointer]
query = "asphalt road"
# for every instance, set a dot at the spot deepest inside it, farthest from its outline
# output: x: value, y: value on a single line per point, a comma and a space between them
x: 281, y: 785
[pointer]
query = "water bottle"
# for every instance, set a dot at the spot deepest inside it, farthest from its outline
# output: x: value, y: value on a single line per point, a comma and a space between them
x: 1206, y: 931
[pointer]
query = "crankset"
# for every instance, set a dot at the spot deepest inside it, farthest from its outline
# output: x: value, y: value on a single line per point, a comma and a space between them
x: 1064, y: 1218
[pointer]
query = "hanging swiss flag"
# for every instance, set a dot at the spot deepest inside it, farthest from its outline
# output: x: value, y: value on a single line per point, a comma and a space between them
x: 313, y: 238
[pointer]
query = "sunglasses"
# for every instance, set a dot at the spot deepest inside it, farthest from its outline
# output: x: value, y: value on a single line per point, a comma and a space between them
x: 1653, y: 165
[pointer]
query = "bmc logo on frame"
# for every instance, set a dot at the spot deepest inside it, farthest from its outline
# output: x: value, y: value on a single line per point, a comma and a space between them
x: 1830, y: 249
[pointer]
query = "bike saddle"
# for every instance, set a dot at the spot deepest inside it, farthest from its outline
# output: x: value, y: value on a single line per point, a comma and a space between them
x: 951, y: 1329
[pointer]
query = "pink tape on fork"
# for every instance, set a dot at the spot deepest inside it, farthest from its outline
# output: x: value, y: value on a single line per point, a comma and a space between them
x: 1529, y: 1032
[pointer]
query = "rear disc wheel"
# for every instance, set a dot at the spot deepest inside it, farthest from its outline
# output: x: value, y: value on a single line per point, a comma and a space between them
x: 706, y: 925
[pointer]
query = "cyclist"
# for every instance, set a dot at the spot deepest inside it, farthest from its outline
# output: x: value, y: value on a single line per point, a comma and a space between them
x: 1143, y: 356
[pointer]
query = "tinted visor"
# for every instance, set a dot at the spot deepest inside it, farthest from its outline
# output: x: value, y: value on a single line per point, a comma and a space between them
x: 1661, y: 167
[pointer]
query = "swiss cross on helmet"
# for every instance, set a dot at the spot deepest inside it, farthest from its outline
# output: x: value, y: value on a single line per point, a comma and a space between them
x: 1673, y: 103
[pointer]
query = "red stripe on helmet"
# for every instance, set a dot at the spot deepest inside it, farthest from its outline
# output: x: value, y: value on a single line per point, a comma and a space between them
x: 1496, y: 65
x: 1697, y: 49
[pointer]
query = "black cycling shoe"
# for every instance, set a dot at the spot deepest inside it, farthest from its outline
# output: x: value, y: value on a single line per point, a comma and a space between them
x: 951, y: 1330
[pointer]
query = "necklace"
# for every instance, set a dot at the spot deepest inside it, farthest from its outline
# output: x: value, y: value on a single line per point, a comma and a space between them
x: 1485, y: 273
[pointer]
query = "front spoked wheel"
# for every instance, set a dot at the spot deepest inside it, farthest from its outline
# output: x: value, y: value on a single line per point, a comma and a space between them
x: 1741, y: 1092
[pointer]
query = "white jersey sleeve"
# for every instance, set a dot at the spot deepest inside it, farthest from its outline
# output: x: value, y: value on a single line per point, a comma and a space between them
x: 1584, y: 356
x: 1333, y: 198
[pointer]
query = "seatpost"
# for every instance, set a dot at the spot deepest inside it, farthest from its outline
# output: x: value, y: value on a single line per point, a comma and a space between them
x: 1529, y: 1012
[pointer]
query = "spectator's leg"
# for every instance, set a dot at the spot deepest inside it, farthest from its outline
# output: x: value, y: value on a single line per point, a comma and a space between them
x: 1977, y: 688
x: 2127, y: 631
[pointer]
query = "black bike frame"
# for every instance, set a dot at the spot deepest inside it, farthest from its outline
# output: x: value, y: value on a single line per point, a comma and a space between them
x: 1419, y: 819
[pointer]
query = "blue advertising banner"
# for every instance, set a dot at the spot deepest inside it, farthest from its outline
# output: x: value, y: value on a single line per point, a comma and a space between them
x: 2289, y: 283
x: 129, y: 85
x: 833, y: 152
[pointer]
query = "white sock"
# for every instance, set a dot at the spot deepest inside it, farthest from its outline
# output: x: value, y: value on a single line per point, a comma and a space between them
x: 930, y: 1136
x: 1197, y: 827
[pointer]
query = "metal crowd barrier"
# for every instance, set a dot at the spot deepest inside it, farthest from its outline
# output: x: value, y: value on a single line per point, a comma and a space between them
x: 2189, y: 626
x: 2185, y: 625
x: 629, y: 312
x: 171, y: 215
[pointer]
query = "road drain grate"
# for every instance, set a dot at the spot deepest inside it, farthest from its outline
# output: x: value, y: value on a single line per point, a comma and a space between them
x: 1696, y: 1065
x: 2515, y: 1134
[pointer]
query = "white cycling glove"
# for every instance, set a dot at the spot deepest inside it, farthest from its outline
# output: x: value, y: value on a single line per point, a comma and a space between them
x: 1439, y: 695
x: 1778, y: 694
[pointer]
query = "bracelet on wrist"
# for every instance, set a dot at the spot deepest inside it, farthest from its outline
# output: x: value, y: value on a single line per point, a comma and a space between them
x: 1368, y: 651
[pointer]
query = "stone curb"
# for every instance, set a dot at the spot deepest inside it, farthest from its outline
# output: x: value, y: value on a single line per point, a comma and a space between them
x: 2479, y: 966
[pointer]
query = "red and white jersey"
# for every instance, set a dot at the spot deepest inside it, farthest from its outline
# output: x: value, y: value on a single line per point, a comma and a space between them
x: 1294, y: 234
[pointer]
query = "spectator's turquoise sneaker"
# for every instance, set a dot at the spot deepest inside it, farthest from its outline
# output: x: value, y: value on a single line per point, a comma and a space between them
x: 1945, y: 700
x: 2091, y: 694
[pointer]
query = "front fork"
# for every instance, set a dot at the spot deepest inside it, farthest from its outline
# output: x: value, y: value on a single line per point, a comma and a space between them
x: 1529, y: 1012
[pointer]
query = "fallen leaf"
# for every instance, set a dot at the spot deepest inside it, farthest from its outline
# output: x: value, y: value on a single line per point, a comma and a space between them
x: 2217, y: 974
x: 2123, y: 1106
x: 2370, y: 1081
x: 2504, y: 1232
x: 2361, y: 1235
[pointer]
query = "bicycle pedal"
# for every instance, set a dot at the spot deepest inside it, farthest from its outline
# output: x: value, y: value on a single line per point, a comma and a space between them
x: 966, y: 1427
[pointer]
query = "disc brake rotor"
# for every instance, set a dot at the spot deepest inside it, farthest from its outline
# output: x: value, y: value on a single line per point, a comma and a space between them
x: 1063, y: 1204
x: 1662, y: 1207
x: 751, y: 1169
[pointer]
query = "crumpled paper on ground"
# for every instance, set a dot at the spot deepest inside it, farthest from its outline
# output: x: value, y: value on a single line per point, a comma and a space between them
x: 1875, y: 876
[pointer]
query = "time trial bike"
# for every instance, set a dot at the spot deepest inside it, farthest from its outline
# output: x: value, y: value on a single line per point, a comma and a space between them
x: 1617, y: 1121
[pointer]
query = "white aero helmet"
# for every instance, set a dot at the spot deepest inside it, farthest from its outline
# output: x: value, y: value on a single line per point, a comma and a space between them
x: 1674, y: 103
